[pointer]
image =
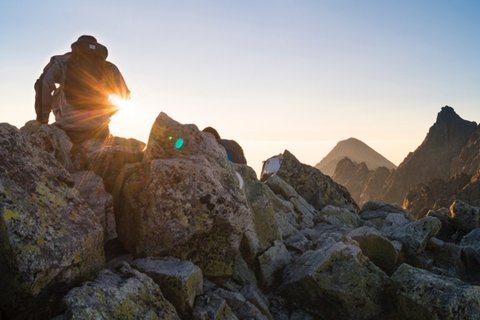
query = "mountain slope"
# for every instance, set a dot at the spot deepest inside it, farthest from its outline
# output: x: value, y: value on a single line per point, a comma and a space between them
x: 355, y: 150
x: 434, y: 158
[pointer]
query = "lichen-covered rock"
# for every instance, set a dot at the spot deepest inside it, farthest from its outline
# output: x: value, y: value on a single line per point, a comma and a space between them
x: 240, y: 306
x: 106, y: 157
x: 180, y: 281
x: 304, y: 212
x: 272, y: 262
x: 338, y: 282
x: 121, y: 294
x: 263, y: 229
x: 376, y: 247
x: 470, y: 245
x: 340, y: 217
x: 446, y: 258
x: 447, y: 231
x: 51, y: 139
x: 420, y: 294
x: 101, y: 202
x: 254, y: 296
x: 415, y: 235
x: 48, y: 234
x: 169, y: 139
x: 383, y: 216
x: 318, y: 189
x: 464, y: 217
x: 212, y: 308
x: 189, y: 206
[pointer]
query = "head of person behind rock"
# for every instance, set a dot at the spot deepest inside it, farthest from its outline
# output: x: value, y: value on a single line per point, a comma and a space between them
x: 233, y: 149
x: 76, y: 86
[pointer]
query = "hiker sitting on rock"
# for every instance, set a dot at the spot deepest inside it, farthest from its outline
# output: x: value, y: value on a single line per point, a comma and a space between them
x: 77, y: 87
x: 233, y: 149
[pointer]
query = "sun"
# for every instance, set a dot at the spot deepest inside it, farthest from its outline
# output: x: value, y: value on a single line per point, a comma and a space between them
x: 125, y: 112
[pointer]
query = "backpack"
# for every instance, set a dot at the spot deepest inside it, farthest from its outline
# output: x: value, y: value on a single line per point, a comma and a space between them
x: 82, y: 81
x: 84, y: 76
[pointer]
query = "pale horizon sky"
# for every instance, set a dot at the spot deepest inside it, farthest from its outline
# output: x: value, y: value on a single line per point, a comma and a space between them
x: 270, y: 74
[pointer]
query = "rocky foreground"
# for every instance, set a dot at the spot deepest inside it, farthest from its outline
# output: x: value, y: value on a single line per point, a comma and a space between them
x: 203, y: 238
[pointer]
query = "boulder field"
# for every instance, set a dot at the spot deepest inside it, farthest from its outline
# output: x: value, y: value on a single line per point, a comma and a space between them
x: 116, y: 229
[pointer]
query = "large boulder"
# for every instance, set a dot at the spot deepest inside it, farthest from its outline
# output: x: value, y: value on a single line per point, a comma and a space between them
x: 376, y: 247
x: 415, y: 235
x: 470, y: 245
x: 315, y: 187
x: 101, y: 202
x: 272, y: 262
x: 169, y: 139
x: 420, y: 294
x: 49, y: 237
x: 51, y: 139
x: 124, y: 293
x: 262, y: 230
x: 180, y: 281
x: 301, y: 212
x: 464, y: 216
x: 106, y: 157
x: 337, y: 282
x: 181, y: 202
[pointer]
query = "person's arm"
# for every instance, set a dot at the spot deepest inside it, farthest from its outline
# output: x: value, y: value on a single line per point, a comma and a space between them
x: 51, y: 76
x: 116, y: 82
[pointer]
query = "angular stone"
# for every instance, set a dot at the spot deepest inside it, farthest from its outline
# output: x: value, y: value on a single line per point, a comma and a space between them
x: 51, y: 139
x: 420, y: 294
x: 180, y: 281
x: 242, y: 272
x: 337, y: 283
x: 272, y: 261
x: 170, y: 139
x: 121, y: 294
x: 415, y: 235
x: 241, y: 307
x: 340, y: 217
x: 464, y: 216
x: 470, y: 245
x: 263, y: 230
x: 93, y: 192
x: 107, y: 157
x: 318, y: 189
x: 212, y: 308
x: 48, y: 235
x: 304, y: 212
x: 447, y: 258
x: 376, y: 247
x: 254, y: 296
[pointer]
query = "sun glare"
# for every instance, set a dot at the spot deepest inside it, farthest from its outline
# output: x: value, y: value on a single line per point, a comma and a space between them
x: 125, y: 110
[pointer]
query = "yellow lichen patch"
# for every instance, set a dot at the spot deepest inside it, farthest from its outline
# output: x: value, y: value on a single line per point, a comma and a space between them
x: 40, y: 242
x: 10, y: 214
x: 45, y: 195
x: 77, y: 258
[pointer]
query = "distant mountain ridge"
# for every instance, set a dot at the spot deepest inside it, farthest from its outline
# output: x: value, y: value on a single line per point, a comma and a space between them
x: 438, y: 157
x: 355, y: 150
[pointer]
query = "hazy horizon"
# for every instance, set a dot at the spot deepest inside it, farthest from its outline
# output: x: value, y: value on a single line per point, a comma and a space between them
x: 272, y: 75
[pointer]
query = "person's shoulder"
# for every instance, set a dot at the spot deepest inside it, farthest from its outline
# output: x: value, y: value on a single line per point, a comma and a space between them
x: 112, y: 67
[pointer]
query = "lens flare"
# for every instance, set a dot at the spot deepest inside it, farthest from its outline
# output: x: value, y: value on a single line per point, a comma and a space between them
x: 179, y: 143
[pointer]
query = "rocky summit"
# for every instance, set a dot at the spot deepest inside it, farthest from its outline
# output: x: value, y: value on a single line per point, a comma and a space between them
x: 437, y: 157
x: 114, y: 229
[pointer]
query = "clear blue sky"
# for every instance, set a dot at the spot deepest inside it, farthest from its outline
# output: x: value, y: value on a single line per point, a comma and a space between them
x: 271, y: 74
